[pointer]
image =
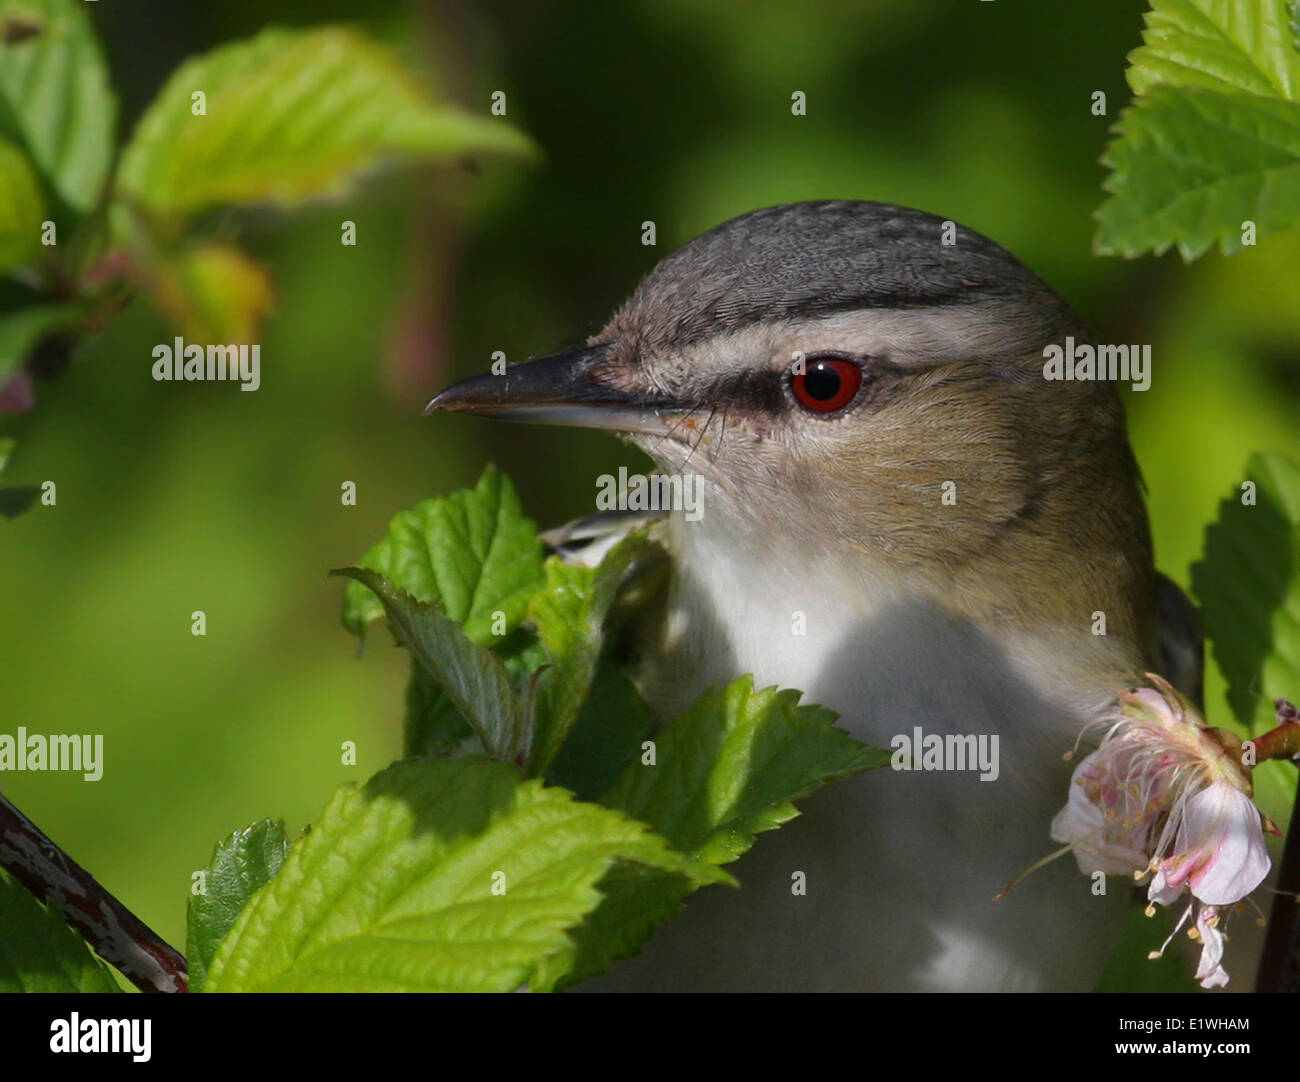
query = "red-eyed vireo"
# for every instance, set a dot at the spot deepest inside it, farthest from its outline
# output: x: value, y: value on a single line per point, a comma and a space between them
x: 907, y: 521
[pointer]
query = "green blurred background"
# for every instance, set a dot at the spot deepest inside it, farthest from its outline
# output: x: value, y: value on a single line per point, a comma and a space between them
x: 177, y: 497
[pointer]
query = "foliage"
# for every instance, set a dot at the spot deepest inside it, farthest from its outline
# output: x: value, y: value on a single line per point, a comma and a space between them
x: 284, y: 118
x: 1210, y: 143
x: 39, y: 952
x: 1211, y: 147
x: 470, y: 872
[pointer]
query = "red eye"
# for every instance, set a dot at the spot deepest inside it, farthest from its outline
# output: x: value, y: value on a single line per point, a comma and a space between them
x: 825, y: 385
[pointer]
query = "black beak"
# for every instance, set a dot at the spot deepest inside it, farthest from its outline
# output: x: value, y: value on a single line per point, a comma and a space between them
x: 565, y: 389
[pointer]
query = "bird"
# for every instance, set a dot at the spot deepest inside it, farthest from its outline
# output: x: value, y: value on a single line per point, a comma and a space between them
x: 905, y: 520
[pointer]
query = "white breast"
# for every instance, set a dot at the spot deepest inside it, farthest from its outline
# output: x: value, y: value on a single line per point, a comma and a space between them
x: 901, y: 867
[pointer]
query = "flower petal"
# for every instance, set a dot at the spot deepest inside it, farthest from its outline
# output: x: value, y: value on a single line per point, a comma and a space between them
x: 1210, y: 971
x: 1102, y: 837
x: 1226, y: 836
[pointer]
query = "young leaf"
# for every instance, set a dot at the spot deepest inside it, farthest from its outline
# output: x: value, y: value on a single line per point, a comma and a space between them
x: 1248, y: 586
x: 54, y: 89
x: 569, y: 614
x: 477, y: 554
x: 241, y: 865
x: 724, y: 771
x: 436, y: 876
x: 433, y: 727
x: 289, y: 115
x: 212, y: 293
x: 21, y: 208
x: 473, y: 551
x: 39, y: 952
x: 475, y: 680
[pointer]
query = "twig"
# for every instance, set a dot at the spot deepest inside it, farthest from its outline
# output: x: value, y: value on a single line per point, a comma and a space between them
x: 115, y: 933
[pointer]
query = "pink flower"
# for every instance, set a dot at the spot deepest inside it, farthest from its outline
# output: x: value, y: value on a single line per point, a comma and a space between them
x: 1219, y: 854
x: 1166, y: 796
x: 1112, y: 807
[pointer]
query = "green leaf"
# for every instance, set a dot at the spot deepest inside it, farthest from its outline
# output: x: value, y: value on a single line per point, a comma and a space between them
x: 475, y: 680
x: 1249, y: 592
x: 433, y: 727
x: 569, y: 614
x: 292, y: 115
x: 730, y: 767
x: 1224, y: 45
x: 393, y: 888
x: 476, y: 554
x: 241, y: 865
x: 21, y: 208
x: 39, y: 952
x: 473, y: 551
x: 22, y: 331
x: 55, y: 96
x: 727, y: 769
x: 611, y: 726
x: 635, y: 901
x: 1191, y: 167
x: 1213, y: 141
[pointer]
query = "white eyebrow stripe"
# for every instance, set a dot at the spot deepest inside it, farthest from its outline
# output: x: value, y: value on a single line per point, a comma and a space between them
x: 907, y: 338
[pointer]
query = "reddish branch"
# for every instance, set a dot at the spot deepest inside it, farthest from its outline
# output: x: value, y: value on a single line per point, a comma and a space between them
x: 1282, y: 742
x: 115, y: 933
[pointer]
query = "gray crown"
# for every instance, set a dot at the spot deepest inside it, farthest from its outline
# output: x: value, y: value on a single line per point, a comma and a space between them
x: 805, y: 260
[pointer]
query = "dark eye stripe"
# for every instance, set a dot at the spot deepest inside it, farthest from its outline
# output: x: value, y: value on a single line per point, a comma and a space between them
x: 758, y: 389
x: 768, y: 390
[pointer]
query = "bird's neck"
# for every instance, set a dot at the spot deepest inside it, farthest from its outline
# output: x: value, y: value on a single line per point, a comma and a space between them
x: 885, y: 647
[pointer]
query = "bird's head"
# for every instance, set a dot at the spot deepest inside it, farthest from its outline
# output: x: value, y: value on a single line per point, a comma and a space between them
x: 861, y: 376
